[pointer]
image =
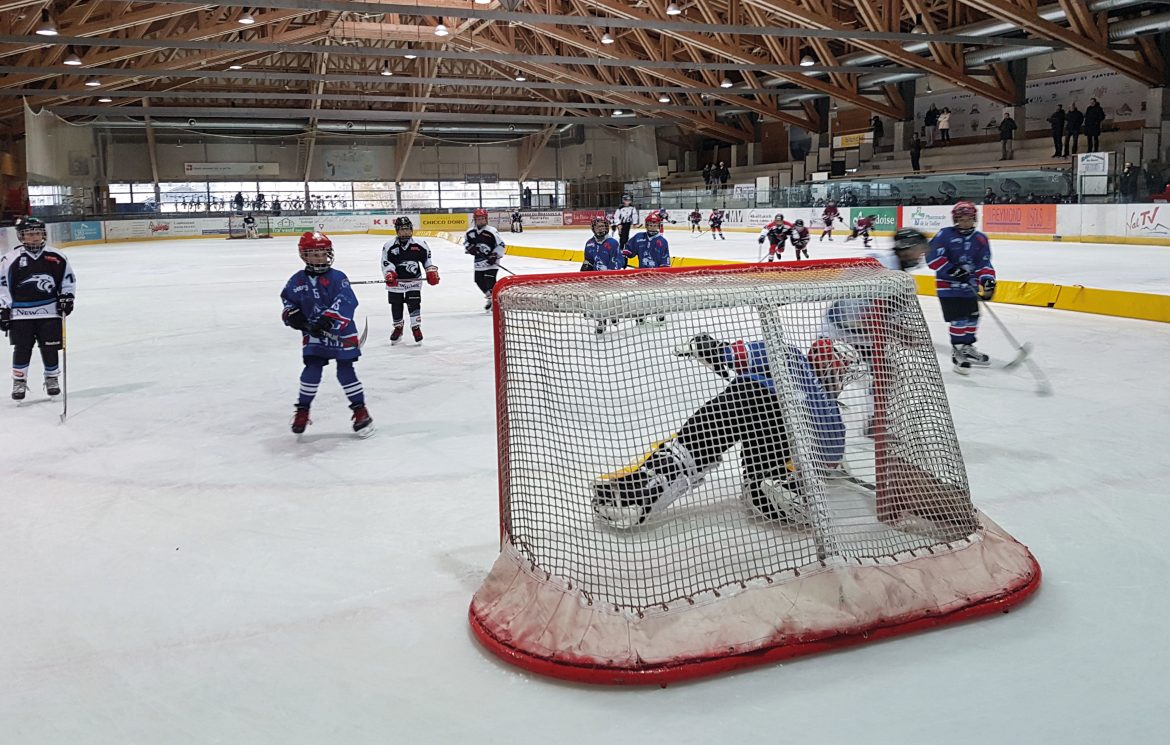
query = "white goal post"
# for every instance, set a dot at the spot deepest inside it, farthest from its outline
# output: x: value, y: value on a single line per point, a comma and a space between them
x: 238, y: 229
x: 794, y: 482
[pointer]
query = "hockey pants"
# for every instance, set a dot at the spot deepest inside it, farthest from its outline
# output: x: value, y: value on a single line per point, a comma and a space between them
x: 44, y: 332
x: 413, y: 301
x: 485, y: 280
x: 962, y: 313
x: 624, y: 235
x: 346, y: 375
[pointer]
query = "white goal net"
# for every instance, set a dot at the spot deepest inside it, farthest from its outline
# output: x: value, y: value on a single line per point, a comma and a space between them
x: 704, y: 468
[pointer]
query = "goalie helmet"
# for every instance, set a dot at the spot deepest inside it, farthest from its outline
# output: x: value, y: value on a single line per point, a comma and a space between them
x: 32, y: 234
x: 653, y: 224
x: 478, y: 215
x: 600, y: 227
x: 316, y: 251
x: 401, y: 224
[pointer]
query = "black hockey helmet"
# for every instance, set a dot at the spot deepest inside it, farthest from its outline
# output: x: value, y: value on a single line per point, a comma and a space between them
x: 798, y: 223
x: 909, y: 238
x: 401, y: 224
x: 627, y: 198
x: 26, y: 228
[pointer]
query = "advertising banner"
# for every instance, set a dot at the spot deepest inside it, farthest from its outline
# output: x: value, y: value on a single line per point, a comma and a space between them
x: 443, y: 222
x: 581, y: 217
x: 1147, y: 221
x: 1035, y: 219
x: 231, y: 169
x: 138, y: 229
x: 885, y: 218
x: 930, y: 219
x: 542, y: 219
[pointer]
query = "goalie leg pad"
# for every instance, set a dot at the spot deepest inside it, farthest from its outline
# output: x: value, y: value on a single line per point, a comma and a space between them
x: 626, y: 497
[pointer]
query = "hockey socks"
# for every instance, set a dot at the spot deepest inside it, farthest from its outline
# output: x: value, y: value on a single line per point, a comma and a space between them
x: 310, y: 381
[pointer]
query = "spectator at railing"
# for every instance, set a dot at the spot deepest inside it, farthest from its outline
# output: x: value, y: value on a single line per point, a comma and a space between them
x: 1073, y: 122
x: 1056, y: 120
x: 930, y: 121
x: 707, y: 176
x: 1007, y: 130
x: 989, y: 196
x: 944, y: 125
x: 878, y: 129
x: 276, y: 206
x: 238, y: 200
x: 724, y: 175
x: 1129, y: 182
x: 1094, y: 117
x: 915, y: 152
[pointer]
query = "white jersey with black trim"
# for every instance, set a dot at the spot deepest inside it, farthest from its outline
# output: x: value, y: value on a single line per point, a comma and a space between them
x: 482, y: 244
x: 624, y: 215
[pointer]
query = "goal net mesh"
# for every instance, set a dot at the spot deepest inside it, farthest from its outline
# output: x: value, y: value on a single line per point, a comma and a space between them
x: 237, y: 228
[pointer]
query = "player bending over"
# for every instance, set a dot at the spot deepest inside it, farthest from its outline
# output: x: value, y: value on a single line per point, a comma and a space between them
x: 37, y: 286
x: 486, y: 246
x: 250, y: 227
x: 602, y: 253
x: 776, y: 233
x: 651, y: 248
x: 696, y: 218
x: 715, y: 221
x: 748, y: 412
x: 861, y: 229
x: 406, y: 261
x: 829, y: 216
x: 319, y: 303
x: 961, y: 259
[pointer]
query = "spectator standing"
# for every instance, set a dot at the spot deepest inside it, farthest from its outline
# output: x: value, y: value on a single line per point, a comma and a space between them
x: 1073, y: 122
x: 238, y: 200
x: 724, y: 175
x: 878, y: 130
x: 707, y: 177
x: 1056, y: 121
x: 276, y: 206
x: 1094, y: 118
x: 944, y: 125
x: 930, y: 121
x: 1129, y: 182
x: 915, y: 152
x: 1007, y: 128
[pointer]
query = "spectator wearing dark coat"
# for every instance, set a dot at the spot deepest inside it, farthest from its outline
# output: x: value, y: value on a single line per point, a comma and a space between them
x: 878, y: 129
x: 724, y: 175
x: 1129, y: 182
x: 707, y: 176
x: 930, y: 122
x: 1073, y: 122
x: 989, y: 196
x: 1007, y: 128
x: 1094, y: 118
x: 1057, y: 122
x: 915, y: 152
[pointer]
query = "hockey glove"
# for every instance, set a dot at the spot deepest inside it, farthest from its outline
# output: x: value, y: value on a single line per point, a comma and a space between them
x: 5, y: 319
x: 761, y: 240
x: 318, y: 328
x: 64, y: 304
x: 433, y: 275
x: 987, y: 288
x: 294, y: 318
x: 587, y: 266
x: 391, y: 278
x: 958, y: 274
x: 492, y: 259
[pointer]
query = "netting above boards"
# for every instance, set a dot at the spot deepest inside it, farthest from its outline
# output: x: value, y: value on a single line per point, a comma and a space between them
x: 670, y: 439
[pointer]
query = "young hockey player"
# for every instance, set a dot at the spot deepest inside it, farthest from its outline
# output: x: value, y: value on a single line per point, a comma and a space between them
x: 37, y: 287
x: 250, y: 227
x: 406, y: 262
x: 748, y: 412
x: 696, y: 218
x: 829, y: 216
x: 961, y: 259
x: 319, y: 303
x: 663, y: 216
x: 651, y: 248
x: 517, y: 221
x: 861, y: 228
x: 776, y: 233
x: 602, y: 253
x: 486, y: 245
x: 715, y: 221
x: 626, y: 217
x: 798, y: 235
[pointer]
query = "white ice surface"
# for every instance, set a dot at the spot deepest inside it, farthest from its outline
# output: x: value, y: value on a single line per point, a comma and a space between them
x: 177, y: 568
x: 1105, y: 266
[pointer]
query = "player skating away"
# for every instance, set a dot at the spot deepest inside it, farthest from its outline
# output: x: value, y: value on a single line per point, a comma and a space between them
x: 406, y: 262
x: 961, y: 259
x: 715, y: 221
x: 861, y: 229
x: 696, y: 219
x: 748, y: 412
x: 776, y: 233
x: 798, y: 235
x: 664, y: 216
x: 250, y: 227
x: 486, y: 246
x: 651, y: 248
x: 517, y: 221
x: 624, y: 218
x: 829, y: 216
x: 37, y: 287
x: 602, y: 253
x: 319, y: 303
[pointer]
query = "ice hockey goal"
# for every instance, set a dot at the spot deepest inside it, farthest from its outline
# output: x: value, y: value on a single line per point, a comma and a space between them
x: 794, y: 480
x: 237, y: 228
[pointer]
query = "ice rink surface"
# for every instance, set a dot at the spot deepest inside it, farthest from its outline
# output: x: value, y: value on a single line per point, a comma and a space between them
x: 178, y: 568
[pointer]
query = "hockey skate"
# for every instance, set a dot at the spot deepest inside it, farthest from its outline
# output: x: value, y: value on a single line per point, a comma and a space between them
x: 487, y: 298
x: 974, y: 356
x: 625, y: 498
x: 363, y: 424
x: 19, y: 389
x: 396, y: 334
x: 417, y: 331
x: 301, y: 420
x: 52, y: 385
x: 961, y: 364
x: 779, y: 498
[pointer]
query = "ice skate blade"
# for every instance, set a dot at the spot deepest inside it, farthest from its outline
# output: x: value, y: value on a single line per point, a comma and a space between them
x: 962, y: 370
x: 366, y: 432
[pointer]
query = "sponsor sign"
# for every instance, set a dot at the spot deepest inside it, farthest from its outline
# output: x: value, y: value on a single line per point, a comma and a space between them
x: 854, y: 139
x: 1036, y: 219
x: 580, y: 217
x: 1149, y: 221
x: 231, y: 169
x: 927, y: 219
x: 444, y: 222
x: 541, y: 219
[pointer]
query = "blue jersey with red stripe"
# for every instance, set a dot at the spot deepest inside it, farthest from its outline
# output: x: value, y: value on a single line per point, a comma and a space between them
x: 604, y: 254
x: 652, y: 251
x: 325, y: 296
x: 950, y: 249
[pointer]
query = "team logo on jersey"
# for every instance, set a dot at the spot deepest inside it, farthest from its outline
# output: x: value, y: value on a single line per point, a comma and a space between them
x: 44, y: 282
x: 410, y: 267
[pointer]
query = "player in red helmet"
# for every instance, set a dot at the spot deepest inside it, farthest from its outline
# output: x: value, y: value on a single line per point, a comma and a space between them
x: 485, y: 244
x: 319, y: 303
x: 961, y: 259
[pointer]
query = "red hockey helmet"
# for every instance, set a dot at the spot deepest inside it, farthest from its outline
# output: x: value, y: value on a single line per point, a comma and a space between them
x: 480, y: 214
x: 600, y: 227
x: 316, y: 251
x: 963, y: 214
x: 653, y: 220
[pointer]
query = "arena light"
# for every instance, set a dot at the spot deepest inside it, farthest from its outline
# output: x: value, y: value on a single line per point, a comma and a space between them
x: 410, y: 55
x: 235, y: 67
x: 1051, y: 64
x: 673, y: 10
x: 105, y: 99
x: 246, y: 19
x: 929, y: 87
x: 520, y: 77
x: 93, y: 83
x: 617, y: 112
x: 441, y: 30
x: 606, y: 38
x: 386, y: 71
x: 72, y: 59
x: 663, y: 98
x: 807, y: 61
x: 725, y: 83
x: 483, y: 2
x: 46, y: 27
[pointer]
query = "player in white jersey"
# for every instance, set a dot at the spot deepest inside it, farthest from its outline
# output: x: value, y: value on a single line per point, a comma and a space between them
x: 486, y: 246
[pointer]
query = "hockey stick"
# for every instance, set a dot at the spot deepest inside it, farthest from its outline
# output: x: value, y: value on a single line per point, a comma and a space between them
x: 506, y: 269
x: 64, y: 376
x: 1023, y: 353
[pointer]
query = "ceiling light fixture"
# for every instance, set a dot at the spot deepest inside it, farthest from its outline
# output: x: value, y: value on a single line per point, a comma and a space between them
x: 386, y: 69
x: 180, y: 144
x: 918, y: 27
x: 246, y: 18
x: 483, y: 2
x: 807, y: 61
x: 606, y: 38
x: 410, y: 55
x: 725, y: 83
x: 93, y: 83
x: 673, y: 9
x: 72, y: 59
x: 617, y: 112
x: 235, y: 67
x: 520, y: 77
x: 1051, y: 64
x: 46, y: 27
x: 663, y: 98
x: 441, y: 30
x: 105, y: 99
x: 929, y: 87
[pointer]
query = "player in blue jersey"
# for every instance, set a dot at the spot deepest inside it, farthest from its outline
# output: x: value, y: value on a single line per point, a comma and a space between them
x: 319, y: 303
x: 650, y: 247
x: 961, y: 259
x: 749, y: 412
x: 602, y: 253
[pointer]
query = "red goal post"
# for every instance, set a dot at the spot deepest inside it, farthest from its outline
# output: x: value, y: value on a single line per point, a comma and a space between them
x: 886, y: 541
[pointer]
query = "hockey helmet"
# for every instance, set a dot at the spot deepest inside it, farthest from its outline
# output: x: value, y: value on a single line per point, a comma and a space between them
x: 910, y: 245
x: 778, y: 217
x: 600, y: 227
x: 627, y: 199
x: 963, y: 214
x: 316, y: 251
x: 653, y: 223
x: 798, y: 223
x: 478, y: 215
x: 32, y: 233
x: 401, y: 224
